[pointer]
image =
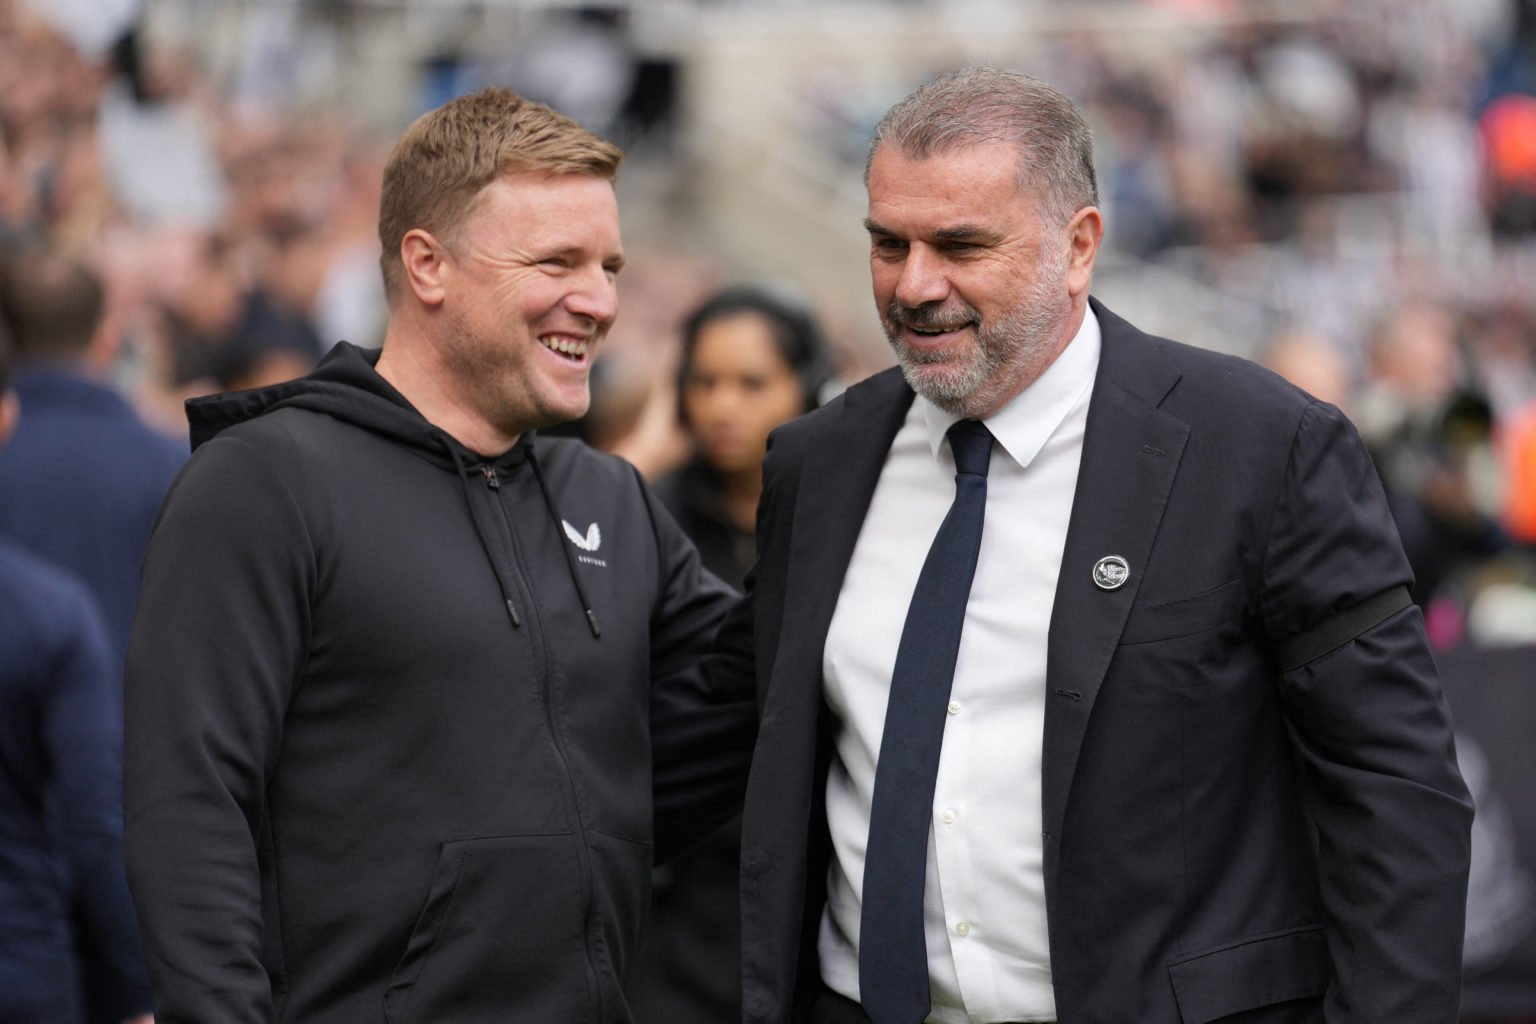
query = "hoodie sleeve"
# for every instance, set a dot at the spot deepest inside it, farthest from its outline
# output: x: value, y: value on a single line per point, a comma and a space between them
x: 219, y: 641
x: 703, y: 723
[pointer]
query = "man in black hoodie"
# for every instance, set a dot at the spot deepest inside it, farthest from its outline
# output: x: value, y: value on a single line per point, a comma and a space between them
x: 401, y: 668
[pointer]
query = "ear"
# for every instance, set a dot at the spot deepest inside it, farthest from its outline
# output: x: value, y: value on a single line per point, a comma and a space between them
x: 425, y: 258
x: 10, y: 414
x: 1084, y: 233
x: 105, y: 343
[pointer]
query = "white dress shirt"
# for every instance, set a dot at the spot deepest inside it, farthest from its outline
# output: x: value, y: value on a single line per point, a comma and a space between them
x: 988, y: 953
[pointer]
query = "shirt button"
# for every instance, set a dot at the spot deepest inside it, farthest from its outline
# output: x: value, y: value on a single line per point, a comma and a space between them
x: 954, y: 707
x: 963, y: 929
x: 948, y: 817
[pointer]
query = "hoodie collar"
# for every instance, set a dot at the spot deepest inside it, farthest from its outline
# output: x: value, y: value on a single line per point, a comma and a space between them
x: 346, y: 385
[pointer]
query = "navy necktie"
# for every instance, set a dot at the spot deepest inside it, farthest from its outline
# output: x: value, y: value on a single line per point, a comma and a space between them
x: 893, y: 957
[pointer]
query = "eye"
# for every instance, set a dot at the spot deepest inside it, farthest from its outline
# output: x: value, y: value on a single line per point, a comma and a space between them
x: 887, y: 247
x: 960, y: 248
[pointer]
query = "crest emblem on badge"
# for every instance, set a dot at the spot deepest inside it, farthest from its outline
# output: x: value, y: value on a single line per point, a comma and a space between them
x: 1111, y: 572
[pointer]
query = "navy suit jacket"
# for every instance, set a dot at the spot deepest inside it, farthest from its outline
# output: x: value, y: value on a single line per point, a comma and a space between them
x: 80, y: 484
x: 1222, y: 837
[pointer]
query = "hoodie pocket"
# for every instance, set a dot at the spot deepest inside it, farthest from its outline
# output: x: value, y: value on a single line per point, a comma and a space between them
x: 501, y: 937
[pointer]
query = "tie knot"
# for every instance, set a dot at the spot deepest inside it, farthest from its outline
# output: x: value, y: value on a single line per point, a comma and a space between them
x: 971, y: 443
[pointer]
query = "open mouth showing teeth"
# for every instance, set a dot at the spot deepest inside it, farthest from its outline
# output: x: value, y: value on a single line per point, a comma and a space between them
x: 934, y: 331
x: 567, y: 348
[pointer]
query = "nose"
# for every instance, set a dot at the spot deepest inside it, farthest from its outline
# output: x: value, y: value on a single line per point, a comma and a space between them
x: 922, y: 279
x: 595, y: 297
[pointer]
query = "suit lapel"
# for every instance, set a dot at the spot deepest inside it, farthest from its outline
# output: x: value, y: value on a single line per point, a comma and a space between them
x: 837, y: 481
x: 1131, y: 453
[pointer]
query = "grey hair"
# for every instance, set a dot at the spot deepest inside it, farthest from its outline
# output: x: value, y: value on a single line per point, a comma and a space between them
x: 985, y: 104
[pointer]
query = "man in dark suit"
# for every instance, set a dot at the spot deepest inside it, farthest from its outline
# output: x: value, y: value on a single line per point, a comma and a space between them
x: 1089, y: 686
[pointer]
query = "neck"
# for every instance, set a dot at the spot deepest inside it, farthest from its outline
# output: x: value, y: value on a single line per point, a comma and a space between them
x: 742, y: 490
x: 411, y: 365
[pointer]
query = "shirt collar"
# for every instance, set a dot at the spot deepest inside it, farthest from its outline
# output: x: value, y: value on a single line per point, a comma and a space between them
x: 1024, y: 425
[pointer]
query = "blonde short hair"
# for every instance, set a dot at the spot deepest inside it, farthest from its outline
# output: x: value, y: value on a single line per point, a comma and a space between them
x: 448, y: 155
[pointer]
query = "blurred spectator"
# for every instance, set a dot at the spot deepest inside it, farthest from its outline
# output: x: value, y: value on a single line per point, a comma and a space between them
x: 752, y: 357
x: 634, y: 384
x: 83, y: 477
x: 1431, y: 438
x: 1312, y: 363
x: 60, y: 803
x: 226, y: 331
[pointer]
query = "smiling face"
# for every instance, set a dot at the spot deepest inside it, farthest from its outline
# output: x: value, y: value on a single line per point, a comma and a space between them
x: 978, y: 292
x: 528, y: 293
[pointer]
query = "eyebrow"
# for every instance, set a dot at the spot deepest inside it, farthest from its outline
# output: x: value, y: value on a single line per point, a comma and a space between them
x: 965, y: 232
x: 960, y: 232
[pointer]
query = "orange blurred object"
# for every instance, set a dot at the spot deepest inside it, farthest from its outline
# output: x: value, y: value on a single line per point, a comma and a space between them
x: 1519, y: 447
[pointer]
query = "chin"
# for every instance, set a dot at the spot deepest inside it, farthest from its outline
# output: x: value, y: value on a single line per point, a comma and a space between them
x: 948, y: 387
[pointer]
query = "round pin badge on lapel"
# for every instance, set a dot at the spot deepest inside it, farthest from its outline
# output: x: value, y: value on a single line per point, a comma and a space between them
x: 1111, y: 572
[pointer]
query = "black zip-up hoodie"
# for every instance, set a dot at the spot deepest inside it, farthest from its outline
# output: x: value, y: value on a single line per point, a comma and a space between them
x: 389, y: 715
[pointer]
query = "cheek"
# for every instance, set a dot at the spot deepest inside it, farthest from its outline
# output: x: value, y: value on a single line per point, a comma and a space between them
x: 696, y: 405
x: 883, y: 277
x: 526, y: 299
x: 777, y: 405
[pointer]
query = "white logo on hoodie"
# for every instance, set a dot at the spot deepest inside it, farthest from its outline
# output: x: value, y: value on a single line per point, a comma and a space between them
x: 591, y: 542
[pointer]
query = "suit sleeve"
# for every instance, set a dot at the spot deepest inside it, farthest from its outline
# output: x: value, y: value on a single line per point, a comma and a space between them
x: 703, y: 720
x: 82, y: 731
x: 1392, y: 814
x: 218, y: 643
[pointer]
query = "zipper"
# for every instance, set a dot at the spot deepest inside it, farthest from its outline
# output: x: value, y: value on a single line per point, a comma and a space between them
x: 494, y: 483
x: 537, y: 638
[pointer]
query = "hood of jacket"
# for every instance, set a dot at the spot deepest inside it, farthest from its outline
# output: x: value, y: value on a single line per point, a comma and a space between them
x: 345, y: 385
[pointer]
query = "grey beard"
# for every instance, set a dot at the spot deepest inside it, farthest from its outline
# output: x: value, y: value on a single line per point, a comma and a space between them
x: 1013, y: 347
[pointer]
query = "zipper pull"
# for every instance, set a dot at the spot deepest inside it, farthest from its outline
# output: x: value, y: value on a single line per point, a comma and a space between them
x: 517, y: 623
x: 491, y: 479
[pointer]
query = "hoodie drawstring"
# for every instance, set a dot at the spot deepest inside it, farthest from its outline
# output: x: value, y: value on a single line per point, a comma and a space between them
x: 469, y: 500
x: 549, y: 505
x: 570, y: 559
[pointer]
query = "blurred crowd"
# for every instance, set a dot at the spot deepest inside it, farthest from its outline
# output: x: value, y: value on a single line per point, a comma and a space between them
x: 1366, y: 177
x: 1370, y: 177
x: 230, y: 240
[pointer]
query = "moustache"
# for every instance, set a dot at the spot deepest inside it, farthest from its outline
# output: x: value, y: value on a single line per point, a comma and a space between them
x: 932, y: 316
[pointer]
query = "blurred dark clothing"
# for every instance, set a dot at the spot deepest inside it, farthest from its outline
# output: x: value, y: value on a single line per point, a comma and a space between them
x: 696, y: 500
x: 688, y: 967
x: 1423, y: 459
x: 261, y: 328
x: 61, y: 829
x: 80, y: 483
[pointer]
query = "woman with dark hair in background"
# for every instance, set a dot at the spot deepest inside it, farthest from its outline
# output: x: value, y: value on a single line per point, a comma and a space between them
x: 752, y: 358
